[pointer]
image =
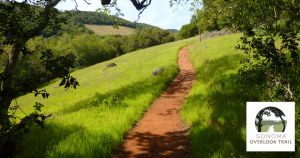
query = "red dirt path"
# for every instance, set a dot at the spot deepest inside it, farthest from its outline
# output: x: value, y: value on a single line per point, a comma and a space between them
x: 160, y: 132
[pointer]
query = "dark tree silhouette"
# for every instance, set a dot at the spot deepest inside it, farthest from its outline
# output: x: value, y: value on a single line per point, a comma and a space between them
x: 266, y: 111
x: 259, y: 117
x: 140, y: 5
x: 278, y: 113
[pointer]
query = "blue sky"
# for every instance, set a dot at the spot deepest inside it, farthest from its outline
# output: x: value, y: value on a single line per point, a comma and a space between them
x: 158, y: 13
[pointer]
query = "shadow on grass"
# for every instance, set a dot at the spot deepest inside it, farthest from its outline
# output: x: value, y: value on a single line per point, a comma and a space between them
x: 45, y: 141
x: 223, y: 133
x: 159, y: 146
x: 151, y: 86
x: 51, y: 142
x: 220, y: 127
x: 211, y: 68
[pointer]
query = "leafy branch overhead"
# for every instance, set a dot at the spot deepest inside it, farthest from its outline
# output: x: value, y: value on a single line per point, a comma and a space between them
x: 138, y: 5
x: 20, y: 22
x: 60, y: 67
x: 69, y: 81
x: 42, y: 92
x: 273, y: 69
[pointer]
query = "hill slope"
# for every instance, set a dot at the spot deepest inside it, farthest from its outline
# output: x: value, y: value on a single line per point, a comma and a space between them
x: 91, y: 120
x: 77, y: 19
x: 108, y: 29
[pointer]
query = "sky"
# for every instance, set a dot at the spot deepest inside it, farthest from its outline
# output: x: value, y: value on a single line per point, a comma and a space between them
x: 158, y: 13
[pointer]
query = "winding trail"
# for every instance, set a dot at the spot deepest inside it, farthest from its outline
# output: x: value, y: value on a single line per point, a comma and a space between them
x: 160, y: 133
x: 271, y: 129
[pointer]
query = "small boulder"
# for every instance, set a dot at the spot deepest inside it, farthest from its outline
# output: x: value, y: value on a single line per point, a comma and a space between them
x: 156, y: 71
x: 110, y: 65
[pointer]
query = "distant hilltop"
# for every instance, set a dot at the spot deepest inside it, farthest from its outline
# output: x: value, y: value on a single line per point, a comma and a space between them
x: 90, y: 22
x: 173, y: 30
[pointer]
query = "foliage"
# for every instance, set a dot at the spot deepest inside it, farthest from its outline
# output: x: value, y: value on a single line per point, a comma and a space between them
x: 187, y: 31
x: 173, y: 30
x: 213, y: 15
x: 92, y: 49
x: 20, y: 22
x: 271, y: 30
x: 112, y: 100
x: 276, y: 66
x: 77, y: 19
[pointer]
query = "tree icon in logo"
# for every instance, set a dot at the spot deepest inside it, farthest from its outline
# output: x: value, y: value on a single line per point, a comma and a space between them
x: 270, y: 119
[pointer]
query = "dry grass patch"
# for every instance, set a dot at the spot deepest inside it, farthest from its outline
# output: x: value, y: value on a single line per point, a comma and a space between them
x: 108, y: 29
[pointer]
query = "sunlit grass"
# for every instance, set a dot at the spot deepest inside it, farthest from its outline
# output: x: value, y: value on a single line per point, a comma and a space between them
x: 92, y: 120
x: 83, y: 126
x: 216, y: 106
x: 108, y: 29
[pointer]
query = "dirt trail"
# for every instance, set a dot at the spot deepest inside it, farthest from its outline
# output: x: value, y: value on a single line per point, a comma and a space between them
x: 160, y: 132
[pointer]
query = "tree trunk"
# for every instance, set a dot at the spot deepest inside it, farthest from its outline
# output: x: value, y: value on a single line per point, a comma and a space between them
x: 259, y: 128
x: 7, y: 145
x: 6, y: 85
x: 259, y: 125
x: 7, y: 92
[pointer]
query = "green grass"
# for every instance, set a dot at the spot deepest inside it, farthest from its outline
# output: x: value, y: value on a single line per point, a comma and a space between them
x: 92, y: 120
x: 277, y: 128
x: 265, y: 128
x: 82, y: 125
x: 216, y: 107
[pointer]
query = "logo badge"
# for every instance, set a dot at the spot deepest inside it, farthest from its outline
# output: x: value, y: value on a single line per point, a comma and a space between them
x: 270, y: 126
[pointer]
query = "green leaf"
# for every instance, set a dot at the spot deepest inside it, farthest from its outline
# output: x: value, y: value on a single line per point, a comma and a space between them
x: 67, y: 85
x: 63, y: 81
x: 72, y: 80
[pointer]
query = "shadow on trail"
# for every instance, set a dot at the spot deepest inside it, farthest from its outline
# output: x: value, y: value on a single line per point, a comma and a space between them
x: 159, y: 146
x: 179, y: 85
x: 169, y: 112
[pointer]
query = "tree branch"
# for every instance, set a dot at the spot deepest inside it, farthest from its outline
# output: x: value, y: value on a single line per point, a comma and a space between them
x: 288, y: 89
x: 42, y: 25
x: 22, y: 124
x: 222, y: 8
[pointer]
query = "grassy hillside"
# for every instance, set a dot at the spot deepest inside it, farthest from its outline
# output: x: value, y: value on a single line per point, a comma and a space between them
x: 91, y: 120
x: 108, y: 29
x: 216, y: 107
x: 75, y: 23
